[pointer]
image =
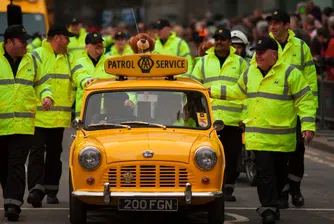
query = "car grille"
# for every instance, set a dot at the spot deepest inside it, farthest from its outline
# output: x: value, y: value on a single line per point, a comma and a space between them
x: 146, y: 176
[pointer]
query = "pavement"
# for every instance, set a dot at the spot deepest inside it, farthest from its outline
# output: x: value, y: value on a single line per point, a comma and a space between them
x: 317, y: 188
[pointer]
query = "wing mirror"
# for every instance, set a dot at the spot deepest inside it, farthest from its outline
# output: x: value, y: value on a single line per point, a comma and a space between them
x: 78, y: 125
x: 218, y: 125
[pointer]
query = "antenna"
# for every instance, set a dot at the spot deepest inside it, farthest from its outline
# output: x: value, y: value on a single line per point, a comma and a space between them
x: 134, y: 18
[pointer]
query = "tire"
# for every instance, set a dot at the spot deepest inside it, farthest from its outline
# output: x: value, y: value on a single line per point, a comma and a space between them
x: 78, y: 212
x: 250, y: 168
x: 216, y: 211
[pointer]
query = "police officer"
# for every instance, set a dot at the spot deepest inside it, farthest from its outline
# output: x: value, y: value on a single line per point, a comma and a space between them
x: 296, y: 52
x: 76, y: 46
x: 120, y: 46
x: 240, y: 43
x: 19, y: 83
x: 222, y: 66
x: 53, y: 59
x: 93, y: 64
x: 168, y: 42
x: 276, y: 92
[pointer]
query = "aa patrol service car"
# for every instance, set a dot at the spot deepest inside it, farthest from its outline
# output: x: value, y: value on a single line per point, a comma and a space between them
x: 146, y: 141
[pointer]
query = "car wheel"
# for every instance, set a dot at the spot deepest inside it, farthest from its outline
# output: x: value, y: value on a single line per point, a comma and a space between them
x: 216, y: 211
x: 250, y: 168
x: 78, y: 212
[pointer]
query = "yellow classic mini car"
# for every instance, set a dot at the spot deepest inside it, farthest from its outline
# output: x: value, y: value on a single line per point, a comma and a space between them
x: 147, y: 141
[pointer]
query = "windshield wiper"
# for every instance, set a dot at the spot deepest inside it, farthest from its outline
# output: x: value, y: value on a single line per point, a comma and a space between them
x: 145, y: 123
x: 110, y: 125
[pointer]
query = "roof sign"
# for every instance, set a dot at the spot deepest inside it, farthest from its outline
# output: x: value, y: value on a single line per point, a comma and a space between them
x: 146, y: 65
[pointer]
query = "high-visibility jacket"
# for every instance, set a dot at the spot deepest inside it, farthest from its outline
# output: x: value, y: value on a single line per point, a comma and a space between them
x: 20, y: 94
x: 175, y: 46
x: 61, y: 69
x: 76, y: 46
x: 297, y: 53
x: 273, y: 104
x: 209, y: 72
x: 87, y: 67
x: 35, y: 43
x: 114, y: 52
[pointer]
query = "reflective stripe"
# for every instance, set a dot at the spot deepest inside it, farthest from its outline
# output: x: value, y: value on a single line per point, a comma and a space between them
x: 42, y: 80
x: 308, y: 119
x: 38, y: 187
x: 223, y: 92
x: 178, y: 48
x: 8, y: 201
x: 315, y: 93
x: 44, y: 90
x: 34, y: 53
x: 51, y: 187
x: 76, y: 48
x: 270, y: 130
x: 84, y: 79
x: 286, y: 83
x: 299, y: 67
x: 6, y: 81
x: 17, y: 114
x: 302, y: 56
x: 246, y: 78
x: 309, y: 63
x: 294, y: 178
x: 242, y: 90
x: 76, y: 68
x: 244, y: 107
x: 232, y: 109
x: 186, y: 54
x: 218, y: 78
x: 18, y: 81
x: 269, y: 96
x: 59, y: 76
x: 24, y: 82
x: 35, y: 65
x: 241, y: 60
x: 58, y: 108
x: 202, y: 69
x: 301, y: 92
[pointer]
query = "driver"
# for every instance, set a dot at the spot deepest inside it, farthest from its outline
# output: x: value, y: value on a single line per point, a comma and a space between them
x: 115, y: 109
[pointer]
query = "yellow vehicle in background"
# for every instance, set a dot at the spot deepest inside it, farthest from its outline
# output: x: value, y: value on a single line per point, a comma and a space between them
x: 159, y: 153
x: 34, y: 15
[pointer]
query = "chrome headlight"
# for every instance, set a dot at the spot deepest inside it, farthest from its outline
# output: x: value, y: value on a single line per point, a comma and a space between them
x: 90, y: 158
x: 205, y: 158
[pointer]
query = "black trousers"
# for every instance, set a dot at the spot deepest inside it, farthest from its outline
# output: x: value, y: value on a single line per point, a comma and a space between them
x: 296, y: 161
x: 14, y: 150
x: 272, y: 171
x: 231, y: 138
x: 45, y: 166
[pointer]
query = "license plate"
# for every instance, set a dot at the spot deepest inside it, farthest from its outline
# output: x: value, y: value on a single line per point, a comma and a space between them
x: 139, y: 204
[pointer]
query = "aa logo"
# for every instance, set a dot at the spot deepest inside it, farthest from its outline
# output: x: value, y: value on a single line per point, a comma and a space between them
x: 145, y: 64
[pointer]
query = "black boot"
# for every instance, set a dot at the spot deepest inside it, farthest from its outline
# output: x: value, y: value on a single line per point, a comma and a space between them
x: 269, y: 217
x: 13, y: 213
x: 35, y: 198
x: 228, y: 191
x: 297, y: 198
x: 52, y: 199
x: 283, y: 200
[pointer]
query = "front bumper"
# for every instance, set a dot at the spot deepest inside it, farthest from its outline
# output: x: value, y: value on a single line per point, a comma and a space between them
x: 187, y: 194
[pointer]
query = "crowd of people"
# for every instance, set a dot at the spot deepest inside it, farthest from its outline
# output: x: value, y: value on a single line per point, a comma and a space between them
x: 242, y: 62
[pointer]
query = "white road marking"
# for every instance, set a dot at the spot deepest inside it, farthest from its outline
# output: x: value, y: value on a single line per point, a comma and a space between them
x: 318, y: 160
x: 311, y: 152
x: 226, y: 208
x: 238, y: 218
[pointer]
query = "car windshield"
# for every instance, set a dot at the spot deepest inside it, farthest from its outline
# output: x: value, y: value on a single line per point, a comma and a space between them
x: 147, y: 108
